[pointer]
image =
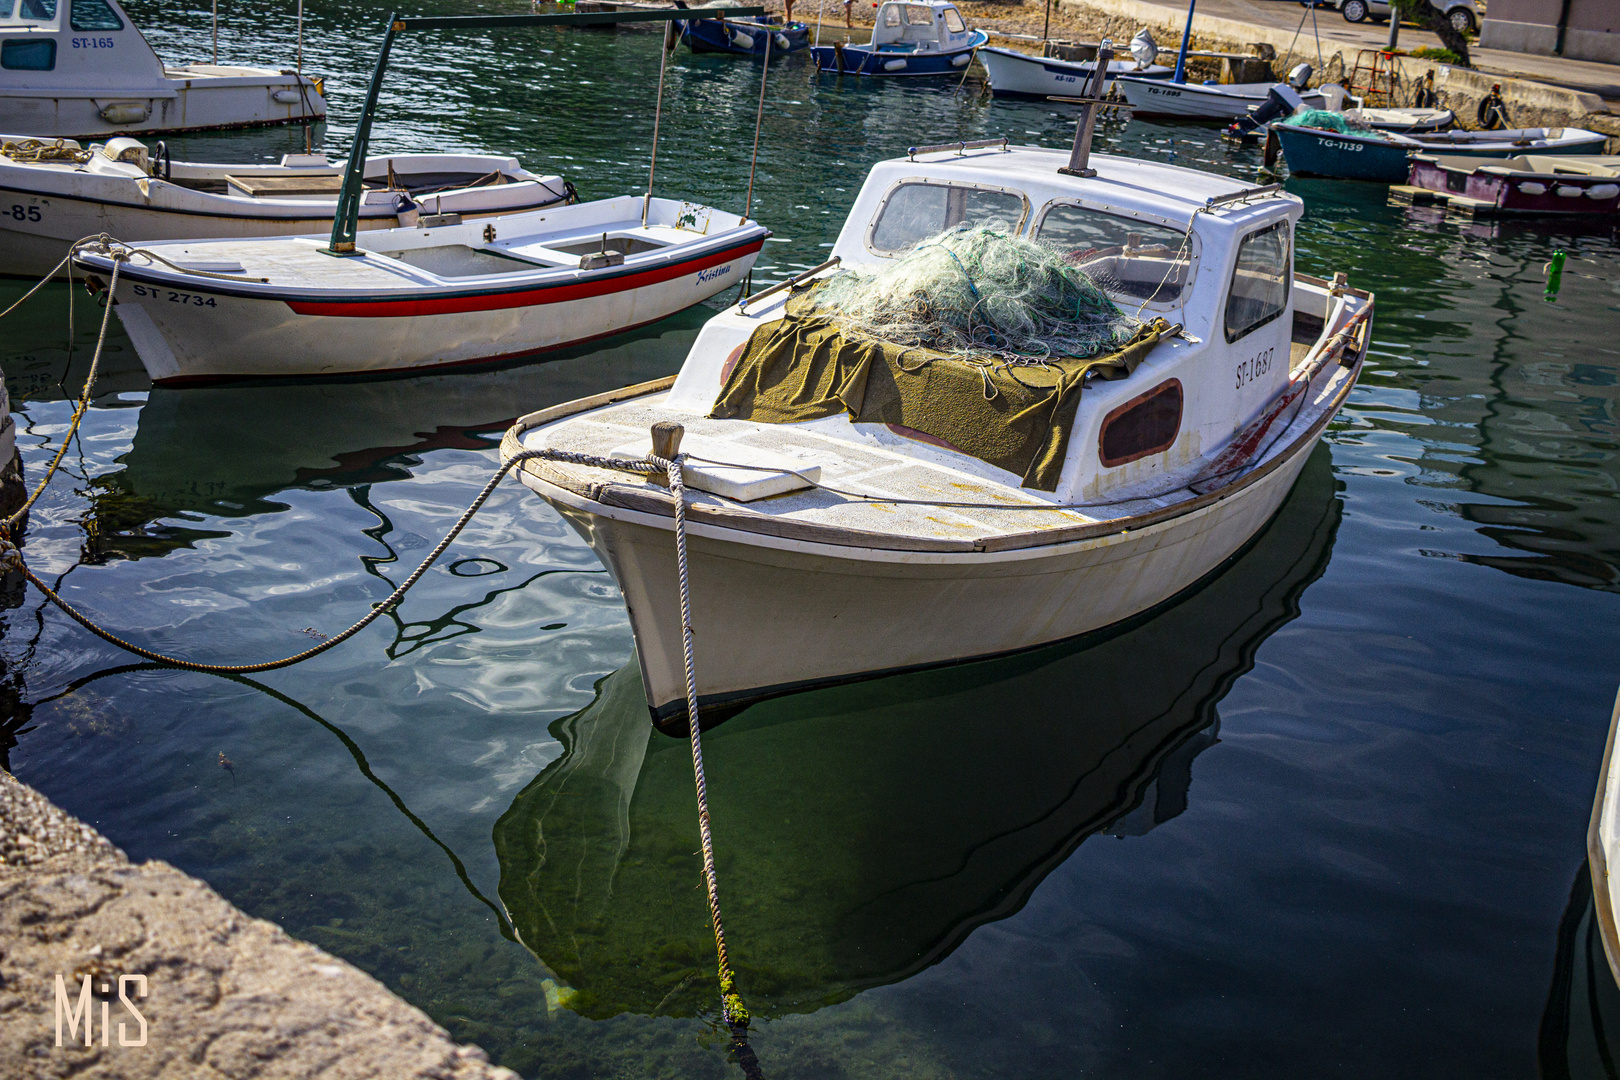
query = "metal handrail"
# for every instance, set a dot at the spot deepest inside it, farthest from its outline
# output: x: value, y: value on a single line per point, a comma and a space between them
x: 789, y: 283
x: 959, y: 147
x: 346, y: 222
x: 1237, y: 196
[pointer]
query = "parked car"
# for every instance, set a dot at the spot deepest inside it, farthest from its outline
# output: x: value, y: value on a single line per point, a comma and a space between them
x: 1464, y: 14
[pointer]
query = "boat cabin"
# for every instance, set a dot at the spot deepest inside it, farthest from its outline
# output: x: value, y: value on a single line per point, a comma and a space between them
x: 72, y: 43
x: 1149, y: 236
x: 916, y: 28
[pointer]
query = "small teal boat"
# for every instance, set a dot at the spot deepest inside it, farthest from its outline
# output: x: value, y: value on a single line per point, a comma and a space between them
x: 1354, y: 155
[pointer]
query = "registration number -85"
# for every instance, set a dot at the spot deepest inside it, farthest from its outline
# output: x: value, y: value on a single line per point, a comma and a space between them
x: 174, y: 297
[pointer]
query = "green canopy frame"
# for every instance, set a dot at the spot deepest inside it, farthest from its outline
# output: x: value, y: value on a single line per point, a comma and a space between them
x: 346, y: 223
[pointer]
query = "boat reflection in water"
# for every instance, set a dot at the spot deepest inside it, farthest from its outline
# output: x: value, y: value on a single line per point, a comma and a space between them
x: 1580, y: 1028
x: 864, y: 831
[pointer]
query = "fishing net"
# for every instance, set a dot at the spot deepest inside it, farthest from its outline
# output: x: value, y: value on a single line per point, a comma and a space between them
x: 971, y: 291
x: 1323, y: 120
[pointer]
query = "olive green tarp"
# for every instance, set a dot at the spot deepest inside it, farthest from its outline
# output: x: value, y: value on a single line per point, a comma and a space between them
x: 1016, y: 417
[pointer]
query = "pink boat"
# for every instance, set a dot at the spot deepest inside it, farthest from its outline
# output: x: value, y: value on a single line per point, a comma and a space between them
x: 1515, y: 185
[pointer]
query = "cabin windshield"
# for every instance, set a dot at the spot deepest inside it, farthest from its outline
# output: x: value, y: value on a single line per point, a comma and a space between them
x: 953, y: 21
x: 919, y: 15
x: 93, y: 15
x: 1259, y: 290
x: 28, y: 13
x: 1125, y: 256
x: 915, y: 210
x: 891, y: 15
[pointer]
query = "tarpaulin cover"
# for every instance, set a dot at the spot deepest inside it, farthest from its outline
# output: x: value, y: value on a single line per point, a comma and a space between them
x: 1017, y: 417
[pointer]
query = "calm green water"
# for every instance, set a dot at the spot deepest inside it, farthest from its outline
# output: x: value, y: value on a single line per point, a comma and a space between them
x: 1323, y: 818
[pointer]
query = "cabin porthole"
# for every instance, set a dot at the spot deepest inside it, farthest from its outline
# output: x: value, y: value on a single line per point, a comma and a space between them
x: 1146, y: 424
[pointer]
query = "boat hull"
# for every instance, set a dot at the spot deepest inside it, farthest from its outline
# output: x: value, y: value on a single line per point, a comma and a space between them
x: 185, y: 101
x: 1313, y: 152
x: 1018, y: 75
x: 1189, y: 101
x: 743, y: 37
x: 861, y: 60
x: 1518, y: 192
x: 773, y: 615
x: 178, y: 334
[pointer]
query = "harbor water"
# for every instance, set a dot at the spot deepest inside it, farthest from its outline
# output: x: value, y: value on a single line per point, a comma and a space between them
x: 1323, y: 817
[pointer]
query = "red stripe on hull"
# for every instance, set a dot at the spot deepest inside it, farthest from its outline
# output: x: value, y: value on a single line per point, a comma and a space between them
x: 553, y: 294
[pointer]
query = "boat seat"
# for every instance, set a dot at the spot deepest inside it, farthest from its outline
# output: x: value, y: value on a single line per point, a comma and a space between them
x: 263, y: 186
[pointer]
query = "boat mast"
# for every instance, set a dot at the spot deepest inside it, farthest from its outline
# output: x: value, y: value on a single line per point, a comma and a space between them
x: 1080, y: 155
x: 346, y: 222
x: 1186, y: 38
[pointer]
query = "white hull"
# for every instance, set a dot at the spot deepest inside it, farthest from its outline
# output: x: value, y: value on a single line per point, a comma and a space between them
x: 1016, y: 74
x: 1192, y: 101
x: 44, y: 208
x: 774, y: 613
x: 320, y: 315
x: 186, y: 99
x: 1603, y: 849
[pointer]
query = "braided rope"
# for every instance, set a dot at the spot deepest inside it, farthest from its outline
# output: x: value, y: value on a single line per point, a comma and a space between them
x: 377, y: 610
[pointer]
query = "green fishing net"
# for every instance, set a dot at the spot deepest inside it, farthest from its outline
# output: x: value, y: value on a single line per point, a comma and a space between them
x: 1323, y: 120
x: 972, y: 291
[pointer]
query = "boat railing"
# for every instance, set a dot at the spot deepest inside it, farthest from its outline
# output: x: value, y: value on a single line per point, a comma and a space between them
x: 797, y: 279
x: 959, y: 147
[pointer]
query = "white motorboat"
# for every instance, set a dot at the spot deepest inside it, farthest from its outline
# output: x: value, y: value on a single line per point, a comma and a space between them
x: 80, y: 68
x: 884, y: 544
x: 1019, y: 75
x: 1202, y: 101
x: 54, y: 193
x: 441, y: 293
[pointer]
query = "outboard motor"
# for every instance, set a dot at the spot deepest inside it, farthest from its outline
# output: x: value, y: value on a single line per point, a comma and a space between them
x: 1298, y: 77
x: 1144, y: 48
x: 1280, y: 102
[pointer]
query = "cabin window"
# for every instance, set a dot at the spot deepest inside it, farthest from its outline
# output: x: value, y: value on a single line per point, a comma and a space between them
x: 915, y: 210
x: 1259, y: 290
x: 37, y: 11
x: 891, y: 16
x: 1124, y: 256
x: 28, y: 55
x: 94, y: 15
x: 1146, y: 424
x: 919, y: 15
x: 953, y: 21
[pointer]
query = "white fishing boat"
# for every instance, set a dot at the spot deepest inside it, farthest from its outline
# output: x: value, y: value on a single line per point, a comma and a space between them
x: 1201, y: 101
x: 54, y: 192
x: 845, y: 520
x: 1019, y: 75
x: 442, y: 293
x: 81, y: 69
x: 1603, y: 848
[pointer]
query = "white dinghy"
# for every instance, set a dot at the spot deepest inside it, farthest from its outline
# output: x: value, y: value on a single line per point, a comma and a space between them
x: 80, y: 68
x: 444, y: 292
x: 897, y: 529
x: 55, y: 192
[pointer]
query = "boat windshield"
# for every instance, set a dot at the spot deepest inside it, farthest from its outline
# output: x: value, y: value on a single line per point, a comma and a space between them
x: 953, y: 21
x: 1259, y: 281
x: 891, y: 15
x: 919, y: 15
x: 93, y: 15
x: 1123, y: 255
x: 916, y: 210
x: 27, y: 12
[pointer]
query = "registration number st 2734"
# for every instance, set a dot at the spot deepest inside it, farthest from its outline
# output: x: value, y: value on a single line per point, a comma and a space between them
x: 174, y: 297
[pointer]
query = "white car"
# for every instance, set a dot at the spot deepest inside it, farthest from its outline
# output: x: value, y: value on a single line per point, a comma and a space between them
x: 1464, y: 14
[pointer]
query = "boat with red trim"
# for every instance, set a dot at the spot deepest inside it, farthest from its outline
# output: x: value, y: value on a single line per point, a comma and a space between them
x: 444, y: 292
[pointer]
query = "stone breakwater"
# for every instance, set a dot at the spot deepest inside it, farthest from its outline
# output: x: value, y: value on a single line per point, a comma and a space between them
x: 228, y: 996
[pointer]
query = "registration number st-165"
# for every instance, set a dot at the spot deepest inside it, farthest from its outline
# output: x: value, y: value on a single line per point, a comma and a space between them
x: 174, y: 297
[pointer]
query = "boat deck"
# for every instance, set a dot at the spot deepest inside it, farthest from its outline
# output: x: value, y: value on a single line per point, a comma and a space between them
x: 850, y: 458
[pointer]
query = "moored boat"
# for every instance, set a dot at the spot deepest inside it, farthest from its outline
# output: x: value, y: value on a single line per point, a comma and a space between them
x: 65, y: 192
x: 744, y: 37
x: 1353, y: 155
x: 1019, y: 75
x: 1603, y: 848
x: 81, y: 69
x: 1198, y: 101
x: 1515, y: 185
x: 927, y: 38
x: 899, y: 534
x: 442, y: 293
